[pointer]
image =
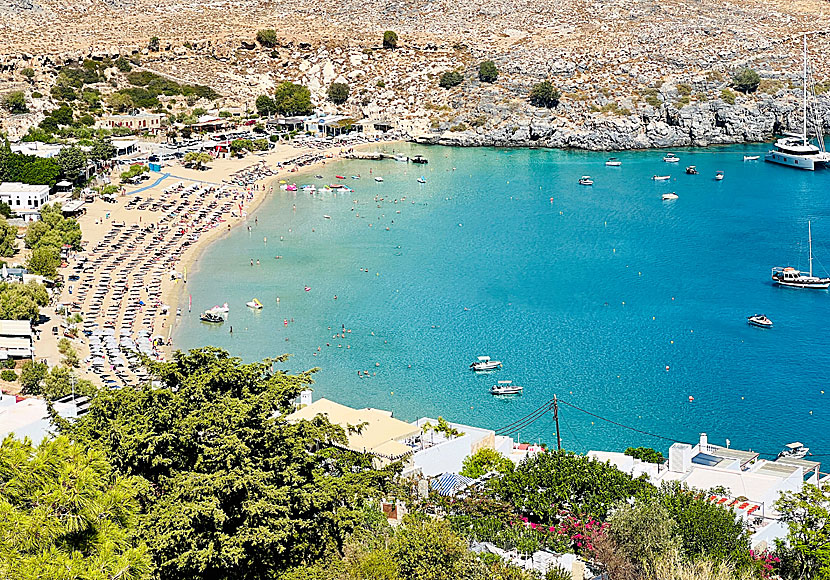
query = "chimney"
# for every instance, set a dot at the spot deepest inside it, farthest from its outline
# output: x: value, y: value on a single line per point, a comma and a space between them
x: 680, y: 457
x: 704, y: 442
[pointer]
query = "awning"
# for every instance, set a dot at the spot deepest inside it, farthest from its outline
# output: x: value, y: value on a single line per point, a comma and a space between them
x: 450, y: 483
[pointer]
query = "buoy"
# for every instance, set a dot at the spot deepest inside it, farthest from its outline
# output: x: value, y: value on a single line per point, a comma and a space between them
x: 667, y: 368
x: 671, y: 341
x: 691, y: 399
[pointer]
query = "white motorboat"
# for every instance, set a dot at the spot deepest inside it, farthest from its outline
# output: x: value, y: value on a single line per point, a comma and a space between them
x: 211, y: 317
x: 661, y: 177
x: 506, y: 388
x: 691, y: 170
x: 586, y: 180
x: 719, y: 176
x: 751, y: 157
x: 671, y: 158
x: 670, y: 196
x: 401, y: 158
x: 788, y: 276
x: 255, y: 304
x: 759, y: 320
x: 328, y: 217
x: 613, y: 162
x: 795, y: 149
x: 379, y: 179
x: 224, y: 309
x: 795, y: 450
x: 485, y: 364
x: 421, y: 180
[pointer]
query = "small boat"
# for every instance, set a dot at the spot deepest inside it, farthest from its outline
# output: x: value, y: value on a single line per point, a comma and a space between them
x: 401, y: 158
x: 328, y: 217
x: 339, y: 177
x: 224, y: 308
x: 485, y: 364
x: 379, y: 179
x: 795, y: 450
x: 691, y: 170
x: 317, y: 176
x: 669, y: 196
x: 793, y: 278
x: 355, y: 177
x: 309, y: 188
x: 421, y: 180
x: 586, y: 180
x: 291, y: 187
x: 759, y: 320
x: 661, y: 177
x: 613, y: 162
x: 211, y: 317
x: 671, y: 158
x: 419, y: 159
x: 506, y: 388
x: 255, y: 304
x: 751, y: 157
x: 719, y: 176
x: 307, y: 288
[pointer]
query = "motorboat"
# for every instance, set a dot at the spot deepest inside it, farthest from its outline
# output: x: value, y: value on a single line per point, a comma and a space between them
x: 613, y: 162
x: 661, y: 177
x: 485, y: 364
x: 255, y: 304
x: 586, y: 180
x: 355, y: 177
x: 379, y: 179
x: 751, y: 157
x: 221, y: 309
x: 788, y: 276
x: 669, y: 196
x: 401, y: 158
x: 759, y: 320
x: 340, y: 177
x: 421, y: 180
x: 671, y: 158
x: 328, y: 217
x: 211, y: 317
x: 795, y: 450
x: 506, y: 388
x: 796, y: 149
x: 719, y: 176
x: 691, y: 170
x: 319, y: 176
x: 419, y: 159
x: 309, y: 188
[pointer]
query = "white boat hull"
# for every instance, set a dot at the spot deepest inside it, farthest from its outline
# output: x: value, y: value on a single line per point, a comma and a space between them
x: 797, y: 161
x: 813, y: 285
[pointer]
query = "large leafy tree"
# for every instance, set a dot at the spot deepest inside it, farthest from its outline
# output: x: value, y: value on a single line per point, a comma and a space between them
x: 237, y: 491
x: 265, y: 105
x: 65, y: 514
x: 44, y: 261
x: 8, y: 239
x: 53, y: 230
x: 72, y: 161
x: 22, y: 301
x: 291, y: 99
x: 102, y: 150
x: 806, y: 554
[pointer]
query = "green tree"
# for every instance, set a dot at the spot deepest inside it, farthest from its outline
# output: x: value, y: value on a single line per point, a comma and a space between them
x: 44, y: 261
x: 62, y: 115
x: 133, y: 171
x: 544, y: 94
x: 450, y: 79
x: 338, y: 93
x: 265, y: 106
x: 197, y: 158
x: 22, y: 301
x: 239, y: 145
x: 806, y: 552
x: 28, y: 73
x: 123, y: 64
x: 484, y: 461
x: 428, y: 549
x: 15, y: 103
x: 390, y: 39
x: 642, y: 531
x: 746, y: 80
x: 291, y: 99
x: 8, y: 239
x: 6, y: 210
x: 120, y: 102
x: 32, y: 374
x: 53, y: 230
x: 60, y: 382
x: 237, y: 491
x: 102, y: 150
x: 646, y: 454
x: 66, y: 514
x: 154, y: 45
x: 72, y: 161
x: 487, y: 72
x: 267, y: 38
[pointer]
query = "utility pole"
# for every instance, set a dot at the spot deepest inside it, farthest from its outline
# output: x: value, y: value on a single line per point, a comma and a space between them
x: 556, y: 419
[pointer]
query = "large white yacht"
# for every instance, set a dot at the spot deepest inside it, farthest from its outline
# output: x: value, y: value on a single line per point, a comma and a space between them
x: 796, y: 150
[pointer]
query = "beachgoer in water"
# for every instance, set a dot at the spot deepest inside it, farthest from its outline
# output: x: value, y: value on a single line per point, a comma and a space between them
x: 257, y: 262
x: 252, y: 261
x: 231, y: 329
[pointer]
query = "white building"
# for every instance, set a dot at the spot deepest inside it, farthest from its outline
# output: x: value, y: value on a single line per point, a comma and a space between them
x: 151, y: 122
x: 37, y: 148
x: 25, y: 200
x: 16, y: 339
x: 752, y: 485
x: 29, y: 416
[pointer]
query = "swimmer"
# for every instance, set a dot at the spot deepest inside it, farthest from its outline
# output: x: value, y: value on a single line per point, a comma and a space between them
x: 252, y: 261
x: 257, y: 262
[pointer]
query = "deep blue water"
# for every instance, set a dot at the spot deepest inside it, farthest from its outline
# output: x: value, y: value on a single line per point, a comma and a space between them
x: 586, y: 292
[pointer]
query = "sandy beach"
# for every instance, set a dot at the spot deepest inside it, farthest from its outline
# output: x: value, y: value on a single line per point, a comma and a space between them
x: 131, y: 277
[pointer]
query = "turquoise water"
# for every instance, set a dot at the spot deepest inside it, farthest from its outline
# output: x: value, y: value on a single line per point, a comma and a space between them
x: 586, y: 292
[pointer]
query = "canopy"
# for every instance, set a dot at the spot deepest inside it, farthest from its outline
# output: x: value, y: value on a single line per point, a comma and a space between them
x: 450, y: 483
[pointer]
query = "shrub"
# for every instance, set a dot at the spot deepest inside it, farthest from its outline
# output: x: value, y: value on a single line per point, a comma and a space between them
x: 484, y: 461
x: 267, y: 38
x: 123, y: 64
x: 292, y: 99
x: 8, y: 375
x: 727, y: 96
x: 544, y: 94
x: 15, y: 103
x: 338, y: 93
x: 390, y: 39
x: 8, y: 364
x: 37, y: 95
x: 487, y: 72
x: 746, y: 81
x: 646, y: 454
x: 154, y: 44
x: 450, y: 79
x: 28, y: 72
x: 684, y: 89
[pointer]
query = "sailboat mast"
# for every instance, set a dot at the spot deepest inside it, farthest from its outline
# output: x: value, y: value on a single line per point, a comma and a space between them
x: 810, y: 238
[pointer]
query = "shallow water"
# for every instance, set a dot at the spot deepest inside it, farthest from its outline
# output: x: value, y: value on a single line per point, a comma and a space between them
x: 590, y: 293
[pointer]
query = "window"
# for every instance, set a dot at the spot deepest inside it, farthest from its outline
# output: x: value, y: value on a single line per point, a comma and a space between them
x: 18, y: 201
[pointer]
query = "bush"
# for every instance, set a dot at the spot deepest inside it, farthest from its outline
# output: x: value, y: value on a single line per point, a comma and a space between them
x: 450, y: 79
x: 646, y: 454
x: 746, y: 81
x: 15, y: 103
x: 338, y: 93
x: 31, y: 376
x: 154, y: 44
x: 390, y: 39
x: 487, y: 72
x: 267, y: 38
x: 291, y: 99
x: 37, y: 95
x: 484, y: 461
x: 123, y: 64
x: 684, y: 89
x: 8, y: 375
x: 544, y: 94
x: 28, y: 72
x: 8, y: 364
x: 727, y: 96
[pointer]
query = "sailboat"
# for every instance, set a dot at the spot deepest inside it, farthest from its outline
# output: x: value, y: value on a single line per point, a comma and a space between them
x: 796, y: 150
x: 795, y: 278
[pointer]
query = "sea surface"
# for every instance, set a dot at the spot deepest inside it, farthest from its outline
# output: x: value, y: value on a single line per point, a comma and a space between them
x: 606, y: 296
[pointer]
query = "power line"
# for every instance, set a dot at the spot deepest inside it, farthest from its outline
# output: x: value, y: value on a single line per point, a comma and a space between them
x: 618, y: 424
